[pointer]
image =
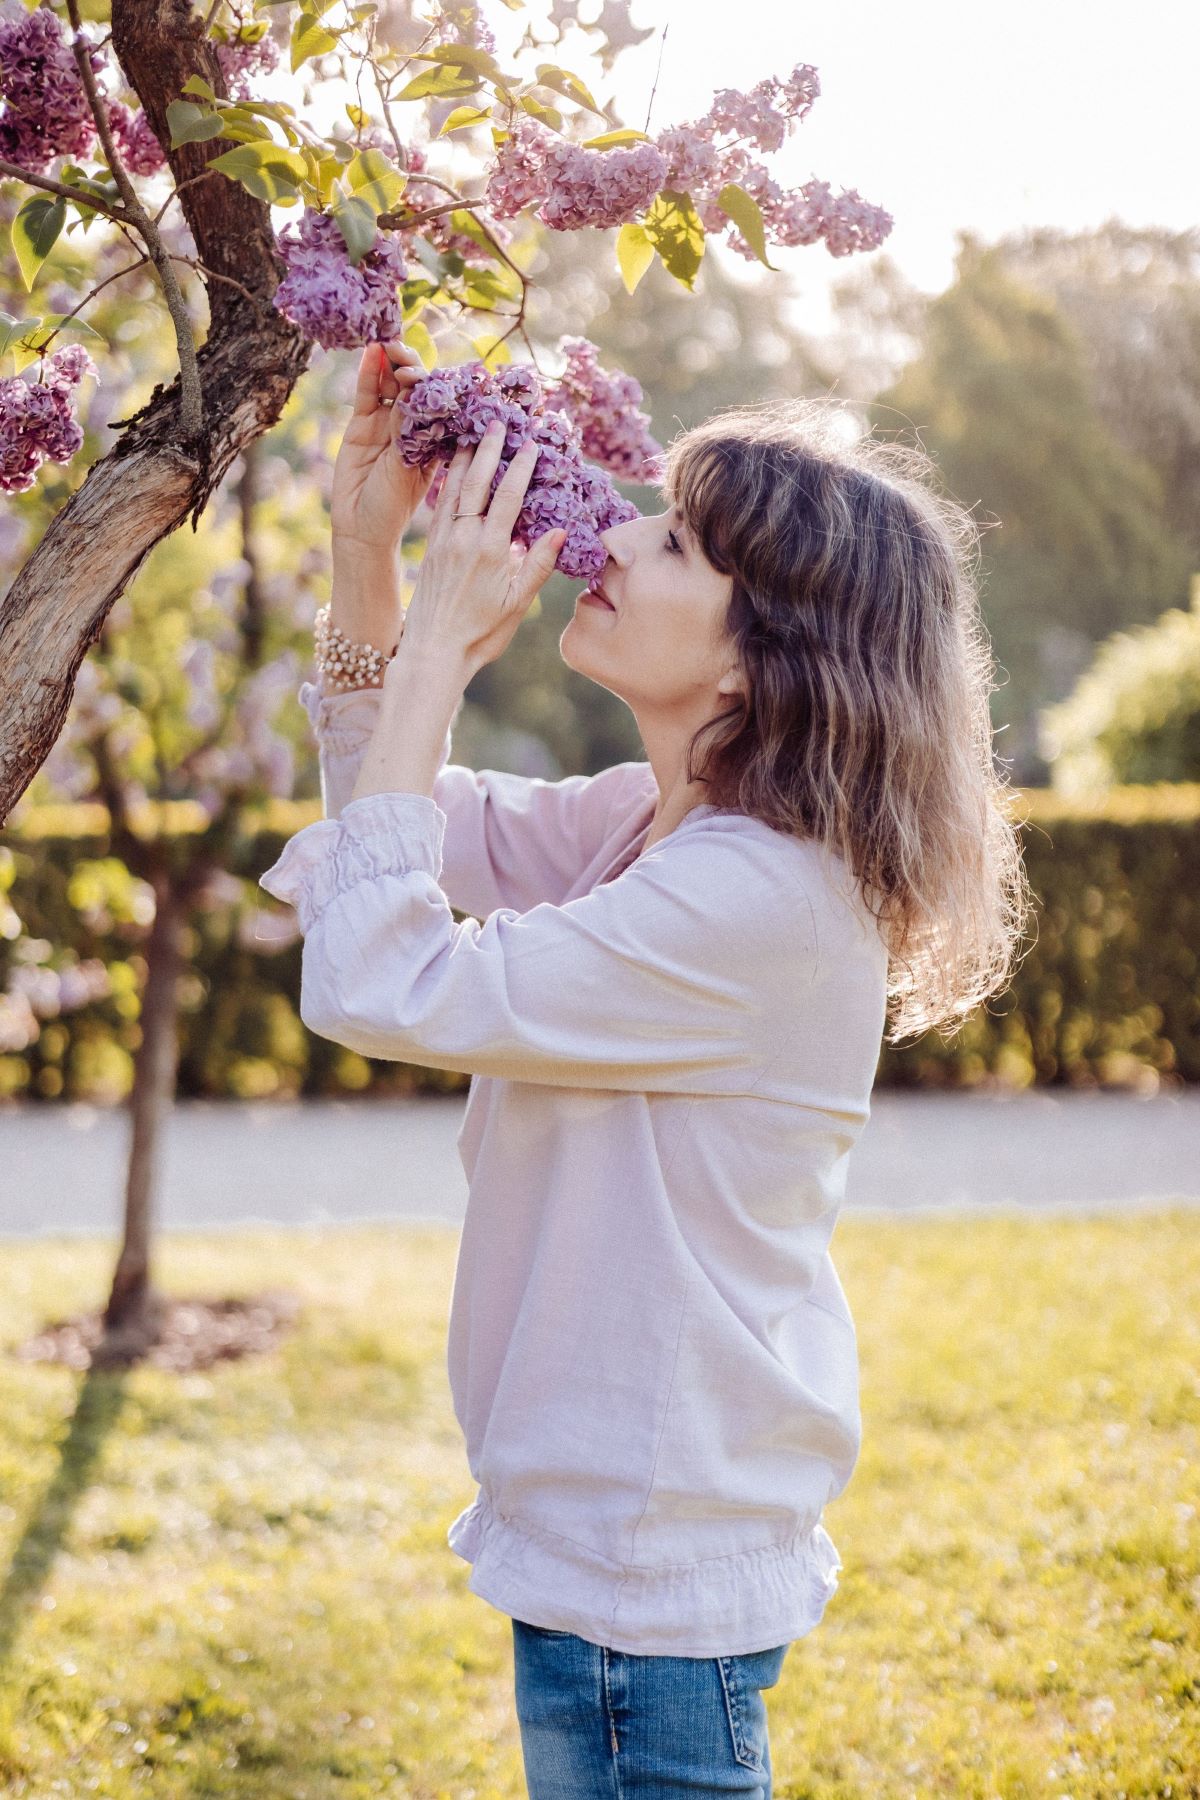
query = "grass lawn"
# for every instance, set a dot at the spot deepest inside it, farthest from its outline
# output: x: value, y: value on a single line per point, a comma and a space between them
x: 238, y: 1584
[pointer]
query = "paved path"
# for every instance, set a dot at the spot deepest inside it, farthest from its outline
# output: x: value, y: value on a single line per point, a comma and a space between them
x: 340, y: 1160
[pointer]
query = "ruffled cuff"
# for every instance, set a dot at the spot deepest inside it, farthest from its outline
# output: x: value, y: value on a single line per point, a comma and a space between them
x: 378, y: 834
x: 341, y: 722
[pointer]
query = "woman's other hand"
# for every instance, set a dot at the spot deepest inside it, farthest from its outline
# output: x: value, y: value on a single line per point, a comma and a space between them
x: 475, y: 585
x: 376, y: 493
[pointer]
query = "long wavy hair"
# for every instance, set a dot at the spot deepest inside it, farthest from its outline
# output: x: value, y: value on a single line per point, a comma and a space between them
x: 855, y: 615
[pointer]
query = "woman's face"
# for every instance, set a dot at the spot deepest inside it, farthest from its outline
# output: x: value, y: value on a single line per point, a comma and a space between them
x: 663, y: 648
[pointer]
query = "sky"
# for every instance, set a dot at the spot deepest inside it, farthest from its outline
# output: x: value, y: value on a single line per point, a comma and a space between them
x: 950, y: 114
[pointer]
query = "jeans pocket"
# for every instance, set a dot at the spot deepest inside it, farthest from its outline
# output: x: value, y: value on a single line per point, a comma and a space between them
x: 743, y: 1678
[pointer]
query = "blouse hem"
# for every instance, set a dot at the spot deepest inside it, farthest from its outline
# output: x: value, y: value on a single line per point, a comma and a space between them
x: 731, y: 1605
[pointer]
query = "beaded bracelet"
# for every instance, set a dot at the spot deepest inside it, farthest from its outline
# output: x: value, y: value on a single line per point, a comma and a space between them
x: 342, y: 663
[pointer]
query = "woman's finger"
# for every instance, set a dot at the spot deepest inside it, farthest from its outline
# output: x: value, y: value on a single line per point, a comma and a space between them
x: 477, y: 483
x: 448, y: 499
x: 509, y: 496
x: 366, y: 388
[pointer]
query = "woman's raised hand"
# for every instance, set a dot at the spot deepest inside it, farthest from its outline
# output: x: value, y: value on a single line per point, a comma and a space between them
x: 375, y: 492
x: 475, y: 585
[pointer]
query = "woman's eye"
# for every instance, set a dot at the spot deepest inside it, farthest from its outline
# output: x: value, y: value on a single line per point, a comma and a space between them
x: 674, y: 543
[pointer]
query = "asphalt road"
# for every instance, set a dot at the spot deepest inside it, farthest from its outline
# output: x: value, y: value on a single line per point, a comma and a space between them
x: 313, y: 1162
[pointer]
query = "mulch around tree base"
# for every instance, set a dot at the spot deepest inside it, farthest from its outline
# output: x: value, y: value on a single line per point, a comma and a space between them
x: 179, y: 1335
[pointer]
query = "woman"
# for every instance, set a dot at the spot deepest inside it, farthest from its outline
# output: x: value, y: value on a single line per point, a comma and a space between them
x: 672, y: 1013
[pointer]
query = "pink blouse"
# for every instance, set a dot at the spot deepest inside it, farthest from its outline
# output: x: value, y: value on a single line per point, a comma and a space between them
x: 672, y: 1053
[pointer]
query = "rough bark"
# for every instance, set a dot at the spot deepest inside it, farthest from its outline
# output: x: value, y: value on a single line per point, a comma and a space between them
x: 152, y: 478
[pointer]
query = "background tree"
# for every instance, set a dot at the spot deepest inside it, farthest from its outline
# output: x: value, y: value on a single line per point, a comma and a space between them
x: 1134, y: 714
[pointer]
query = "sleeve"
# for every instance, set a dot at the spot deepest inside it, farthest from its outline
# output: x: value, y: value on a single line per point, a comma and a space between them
x: 511, y: 840
x: 680, y: 976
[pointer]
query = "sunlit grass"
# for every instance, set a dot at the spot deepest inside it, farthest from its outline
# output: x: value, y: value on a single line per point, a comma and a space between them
x: 238, y: 1584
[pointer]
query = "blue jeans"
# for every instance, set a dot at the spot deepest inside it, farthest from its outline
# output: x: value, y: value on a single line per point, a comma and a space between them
x: 599, y: 1724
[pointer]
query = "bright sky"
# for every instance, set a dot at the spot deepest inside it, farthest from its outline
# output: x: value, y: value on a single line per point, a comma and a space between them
x: 948, y: 113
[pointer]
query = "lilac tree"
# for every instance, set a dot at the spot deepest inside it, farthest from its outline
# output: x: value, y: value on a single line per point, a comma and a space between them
x: 417, y: 219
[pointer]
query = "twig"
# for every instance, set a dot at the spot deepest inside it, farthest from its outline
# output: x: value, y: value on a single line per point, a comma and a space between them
x: 657, y: 72
x: 57, y: 187
x: 91, y: 295
x: 191, y: 408
x: 216, y: 275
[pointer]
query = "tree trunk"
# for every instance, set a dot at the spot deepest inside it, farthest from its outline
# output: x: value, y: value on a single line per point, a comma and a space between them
x: 152, y: 478
x: 132, y: 1303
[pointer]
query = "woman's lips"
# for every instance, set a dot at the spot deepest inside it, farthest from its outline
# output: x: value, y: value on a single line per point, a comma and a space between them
x: 595, y: 598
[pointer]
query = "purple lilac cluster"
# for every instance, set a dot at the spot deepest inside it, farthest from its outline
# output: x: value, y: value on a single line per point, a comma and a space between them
x: 36, y: 421
x: 242, y: 63
x: 605, y: 408
x: 34, y: 992
x: 339, y: 303
x: 46, y: 112
x: 571, y: 186
x: 136, y: 143
x: 465, y: 25
x: 453, y: 407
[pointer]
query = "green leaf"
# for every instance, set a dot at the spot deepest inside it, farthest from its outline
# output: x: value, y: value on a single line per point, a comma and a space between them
x: 372, y: 174
x: 357, y: 116
x: 462, y: 116
x: 609, y: 140
x: 192, y: 124
x: 492, y: 351
x: 563, y: 82
x: 746, y: 214
x: 266, y: 170
x: 673, y: 226
x: 549, y: 115
x: 441, y: 83
x: 419, y: 337
x: 356, y: 222
x: 35, y: 231
x: 635, y: 253
x: 12, y: 330
x: 196, y: 84
x: 309, y: 38
x: 462, y: 56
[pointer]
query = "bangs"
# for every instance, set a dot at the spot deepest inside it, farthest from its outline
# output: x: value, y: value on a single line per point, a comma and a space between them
x: 710, y: 481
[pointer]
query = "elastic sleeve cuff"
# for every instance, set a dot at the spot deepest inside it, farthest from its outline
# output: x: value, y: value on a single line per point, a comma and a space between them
x: 379, y: 834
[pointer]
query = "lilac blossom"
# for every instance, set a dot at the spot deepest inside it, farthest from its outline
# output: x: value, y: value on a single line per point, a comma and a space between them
x: 46, y: 111
x: 452, y: 407
x: 36, y: 421
x: 134, y: 137
x: 339, y: 303
x: 605, y: 408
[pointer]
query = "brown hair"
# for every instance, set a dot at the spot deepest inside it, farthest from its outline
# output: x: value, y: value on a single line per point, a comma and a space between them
x: 855, y: 617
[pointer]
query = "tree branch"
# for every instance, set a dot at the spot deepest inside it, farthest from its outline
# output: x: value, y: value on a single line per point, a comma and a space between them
x: 191, y: 410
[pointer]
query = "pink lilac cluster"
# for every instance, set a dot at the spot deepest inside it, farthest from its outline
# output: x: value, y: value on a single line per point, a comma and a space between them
x: 700, y: 167
x: 453, y: 407
x: 605, y: 409
x: 339, y: 303
x: 46, y: 112
x: 36, y: 421
x: 136, y: 143
x: 571, y: 187
x: 252, y: 756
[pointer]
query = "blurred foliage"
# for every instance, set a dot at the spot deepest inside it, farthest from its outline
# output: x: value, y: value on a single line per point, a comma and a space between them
x: 1108, y: 994
x: 1134, y: 716
x: 1076, y: 541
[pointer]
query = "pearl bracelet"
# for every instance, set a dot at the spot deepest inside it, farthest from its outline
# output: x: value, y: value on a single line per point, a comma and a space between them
x: 342, y: 663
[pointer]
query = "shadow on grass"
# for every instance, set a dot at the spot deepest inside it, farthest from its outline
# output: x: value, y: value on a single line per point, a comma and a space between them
x: 102, y: 1395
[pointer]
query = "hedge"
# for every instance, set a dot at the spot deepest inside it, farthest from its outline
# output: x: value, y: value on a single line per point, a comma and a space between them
x: 1108, y: 994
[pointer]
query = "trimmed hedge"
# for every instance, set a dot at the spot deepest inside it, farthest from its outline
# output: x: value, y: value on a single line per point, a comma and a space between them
x: 1108, y: 994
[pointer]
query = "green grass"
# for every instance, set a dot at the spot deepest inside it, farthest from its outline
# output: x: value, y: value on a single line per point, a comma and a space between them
x: 238, y: 1585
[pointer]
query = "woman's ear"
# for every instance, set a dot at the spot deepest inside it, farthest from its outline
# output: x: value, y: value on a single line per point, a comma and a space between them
x: 733, y: 681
